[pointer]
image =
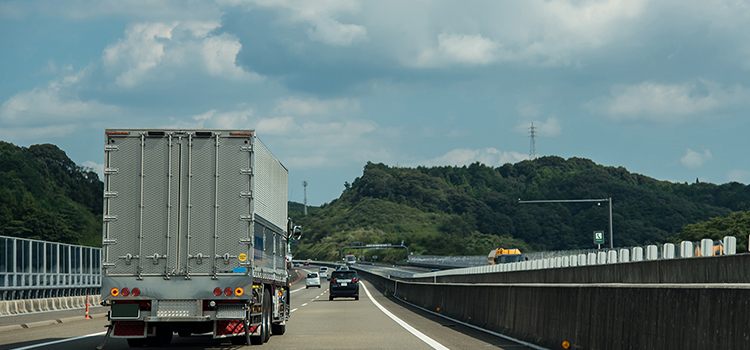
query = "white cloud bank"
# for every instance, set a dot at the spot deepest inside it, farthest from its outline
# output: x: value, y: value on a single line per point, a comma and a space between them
x: 320, y: 16
x: 461, y: 49
x: 465, y: 156
x: 666, y: 102
x: 51, y: 110
x: 154, y: 51
x: 534, y: 32
x: 311, y: 133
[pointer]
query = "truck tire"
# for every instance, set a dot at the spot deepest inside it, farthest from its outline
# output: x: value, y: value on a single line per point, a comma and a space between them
x: 258, y: 339
x: 267, y: 316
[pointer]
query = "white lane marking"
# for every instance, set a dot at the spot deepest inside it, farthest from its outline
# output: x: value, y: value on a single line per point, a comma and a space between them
x: 305, y: 304
x: 60, y: 341
x: 297, y: 290
x: 429, y: 341
x: 317, y: 297
x: 293, y: 310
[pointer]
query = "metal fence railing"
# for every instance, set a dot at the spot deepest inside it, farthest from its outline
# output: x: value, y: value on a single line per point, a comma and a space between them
x: 32, y: 269
x: 572, y: 258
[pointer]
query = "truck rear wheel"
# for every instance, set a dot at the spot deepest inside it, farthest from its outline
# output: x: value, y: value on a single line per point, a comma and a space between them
x: 266, y: 316
x: 265, y: 320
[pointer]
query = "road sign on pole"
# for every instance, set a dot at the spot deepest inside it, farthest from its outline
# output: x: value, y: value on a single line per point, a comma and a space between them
x: 598, y: 237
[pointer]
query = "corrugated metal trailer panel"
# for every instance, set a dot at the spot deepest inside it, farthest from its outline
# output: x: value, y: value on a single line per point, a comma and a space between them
x: 182, y: 203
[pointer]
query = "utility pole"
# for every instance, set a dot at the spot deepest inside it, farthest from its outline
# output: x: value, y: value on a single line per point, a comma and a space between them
x: 304, y: 185
x: 532, y: 145
x: 608, y: 200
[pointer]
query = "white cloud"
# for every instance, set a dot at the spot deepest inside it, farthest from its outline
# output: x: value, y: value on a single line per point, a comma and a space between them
x: 277, y: 126
x: 313, y: 106
x: 695, y: 160
x: 332, y: 32
x: 153, y: 51
x: 320, y: 15
x: 306, y: 143
x: 551, y: 127
x: 52, y: 109
x: 742, y: 176
x: 462, y: 49
x: 534, y: 32
x: 666, y: 102
x: 466, y: 156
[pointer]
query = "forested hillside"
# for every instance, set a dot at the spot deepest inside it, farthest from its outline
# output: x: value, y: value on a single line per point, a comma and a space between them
x: 45, y: 195
x: 468, y: 210
x: 439, y: 210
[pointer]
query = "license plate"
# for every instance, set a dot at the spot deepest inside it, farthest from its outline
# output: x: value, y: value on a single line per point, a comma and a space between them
x: 343, y: 284
x: 125, y: 310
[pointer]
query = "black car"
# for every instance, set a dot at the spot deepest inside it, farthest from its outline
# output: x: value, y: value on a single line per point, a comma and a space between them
x: 344, y: 283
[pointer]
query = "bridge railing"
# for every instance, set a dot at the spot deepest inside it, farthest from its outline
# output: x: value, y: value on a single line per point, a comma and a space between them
x: 572, y: 258
x: 33, y: 269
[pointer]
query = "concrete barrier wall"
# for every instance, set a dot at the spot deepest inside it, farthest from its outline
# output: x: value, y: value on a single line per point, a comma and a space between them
x: 593, y: 316
x: 17, y: 307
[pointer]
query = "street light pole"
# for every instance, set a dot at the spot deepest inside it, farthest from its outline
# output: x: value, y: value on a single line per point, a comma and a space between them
x: 608, y: 200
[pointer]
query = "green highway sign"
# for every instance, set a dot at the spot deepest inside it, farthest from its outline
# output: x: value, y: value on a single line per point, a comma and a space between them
x: 598, y: 237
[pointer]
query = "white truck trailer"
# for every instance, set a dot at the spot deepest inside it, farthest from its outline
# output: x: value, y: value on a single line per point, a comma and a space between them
x: 195, y: 236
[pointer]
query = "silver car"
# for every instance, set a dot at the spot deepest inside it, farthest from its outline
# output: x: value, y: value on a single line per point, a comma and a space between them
x: 312, y: 280
x: 323, y: 272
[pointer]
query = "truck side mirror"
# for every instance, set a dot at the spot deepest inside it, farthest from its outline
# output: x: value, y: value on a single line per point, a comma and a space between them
x: 297, y: 232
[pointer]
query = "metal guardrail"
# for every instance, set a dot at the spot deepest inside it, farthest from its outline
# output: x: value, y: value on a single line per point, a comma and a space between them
x: 572, y: 258
x: 33, y: 269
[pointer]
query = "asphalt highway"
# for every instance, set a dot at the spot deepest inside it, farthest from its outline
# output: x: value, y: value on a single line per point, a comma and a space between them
x: 373, y: 322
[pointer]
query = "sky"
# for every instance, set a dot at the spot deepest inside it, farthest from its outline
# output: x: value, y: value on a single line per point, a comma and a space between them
x: 661, y: 88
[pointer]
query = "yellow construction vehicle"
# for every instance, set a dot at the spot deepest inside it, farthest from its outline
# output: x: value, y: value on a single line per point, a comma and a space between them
x: 502, y: 256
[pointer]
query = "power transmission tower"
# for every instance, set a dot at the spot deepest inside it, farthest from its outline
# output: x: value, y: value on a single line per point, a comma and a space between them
x: 532, y: 146
x: 304, y: 185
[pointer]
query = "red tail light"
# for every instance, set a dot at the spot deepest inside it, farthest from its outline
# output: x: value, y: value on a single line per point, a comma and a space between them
x: 355, y: 279
x: 125, y: 292
x: 136, y: 292
x: 228, y: 291
x: 217, y: 291
x: 333, y: 280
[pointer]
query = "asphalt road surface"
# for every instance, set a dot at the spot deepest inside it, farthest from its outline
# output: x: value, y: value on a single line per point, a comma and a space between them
x: 315, y: 323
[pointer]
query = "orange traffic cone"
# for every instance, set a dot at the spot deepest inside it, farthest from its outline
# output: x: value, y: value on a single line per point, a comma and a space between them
x: 88, y: 317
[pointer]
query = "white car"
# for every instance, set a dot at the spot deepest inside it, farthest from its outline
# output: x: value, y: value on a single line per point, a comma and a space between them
x: 323, y: 272
x: 312, y: 280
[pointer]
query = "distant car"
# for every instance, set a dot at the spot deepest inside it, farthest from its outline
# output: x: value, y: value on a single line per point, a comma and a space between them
x: 296, y: 264
x: 306, y: 263
x: 323, y: 272
x: 312, y: 280
x: 344, y: 283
